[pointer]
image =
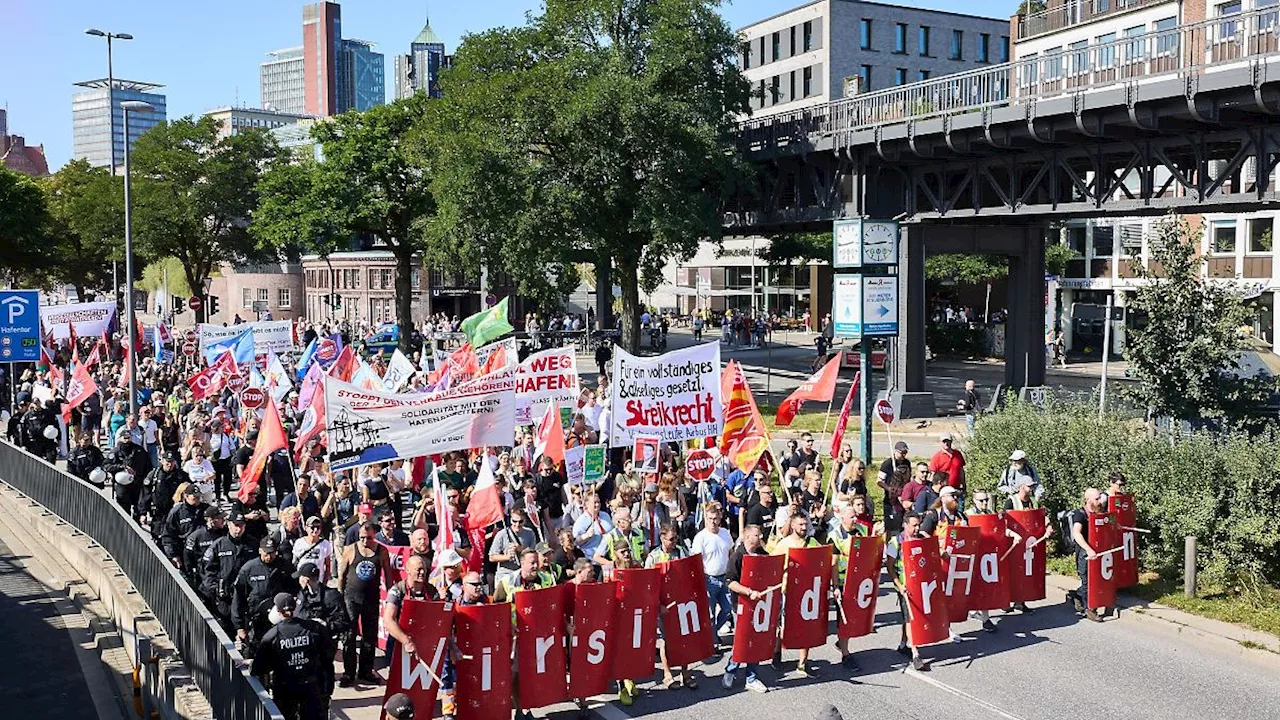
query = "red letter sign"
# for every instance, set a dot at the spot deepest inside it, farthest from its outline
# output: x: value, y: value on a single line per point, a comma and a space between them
x: 590, y: 660
x: 635, y: 631
x: 1026, y: 567
x: 483, y: 635
x: 428, y: 623
x: 808, y: 585
x: 756, y: 627
x: 922, y: 563
x: 991, y: 586
x: 1126, y: 515
x: 685, y: 623
x: 862, y: 578
x: 963, y: 548
x: 540, y: 647
x: 1102, y: 537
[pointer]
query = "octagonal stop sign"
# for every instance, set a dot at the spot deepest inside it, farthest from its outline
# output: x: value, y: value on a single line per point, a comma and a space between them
x: 189, y: 348
x: 700, y: 464
x: 236, y: 383
x: 253, y: 398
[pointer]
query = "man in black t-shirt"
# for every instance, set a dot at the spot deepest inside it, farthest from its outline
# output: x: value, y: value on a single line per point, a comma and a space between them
x: 885, y: 479
x: 752, y: 544
x: 1085, y: 553
x: 761, y: 514
x: 550, y: 492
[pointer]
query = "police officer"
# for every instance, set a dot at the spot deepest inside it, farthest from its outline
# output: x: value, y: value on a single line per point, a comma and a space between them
x: 84, y: 458
x: 181, y: 521
x: 290, y: 659
x: 322, y: 604
x: 199, y: 540
x: 220, y: 566
x: 14, y: 430
x: 34, y: 424
x: 260, y: 580
x: 158, y: 489
x: 132, y: 460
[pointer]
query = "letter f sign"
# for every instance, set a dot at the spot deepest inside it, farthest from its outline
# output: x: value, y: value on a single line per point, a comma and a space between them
x: 16, y: 307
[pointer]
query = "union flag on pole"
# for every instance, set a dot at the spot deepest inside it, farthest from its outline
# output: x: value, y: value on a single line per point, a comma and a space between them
x: 744, y: 438
x: 271, y: 437
x: 485, y: 507
x: 80, y: 389
x: 549, y: 437
x: 820, y: 386
x: 837, y: 437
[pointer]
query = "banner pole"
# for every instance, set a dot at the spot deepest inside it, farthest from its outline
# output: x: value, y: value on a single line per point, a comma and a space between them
x: 866, y: 397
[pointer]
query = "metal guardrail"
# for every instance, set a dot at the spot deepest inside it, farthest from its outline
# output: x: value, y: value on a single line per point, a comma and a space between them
x: 1075, y: 12
x: 1184, y: 50
x: 205, y: 649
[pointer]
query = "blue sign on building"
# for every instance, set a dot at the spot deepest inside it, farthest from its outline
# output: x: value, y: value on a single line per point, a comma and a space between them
x: 19, y: 326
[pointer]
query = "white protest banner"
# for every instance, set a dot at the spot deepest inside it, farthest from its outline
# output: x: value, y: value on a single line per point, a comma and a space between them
x: 575, y: 464
x: 367, y: 426
x: 89, y: 319
x: 268, y: 335
x: 399, y: 370
x: 674, y: 396
x: 543, y: 377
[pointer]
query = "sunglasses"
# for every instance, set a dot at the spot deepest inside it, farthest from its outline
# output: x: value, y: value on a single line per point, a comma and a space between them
x: 473, y: 584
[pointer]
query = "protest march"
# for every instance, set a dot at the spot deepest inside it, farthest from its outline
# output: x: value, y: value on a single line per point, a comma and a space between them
x: 476, y: 526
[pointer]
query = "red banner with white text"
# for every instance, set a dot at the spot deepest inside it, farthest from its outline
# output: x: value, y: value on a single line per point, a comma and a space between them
x: 926, y: 603
x: 962, y: 551
x: 590, y: 654
x: 418, y: 675
x: 635, y: 622
x: 804, y: 612
x: 1102, y: 537
x: 483, y: 637
x: 686, y: 625
x: 861, y: 583
x: 991, y: 586
x: 540, y: 647
x: 1027, y: 566
x: 756, y: 627
x: 1126, y: 514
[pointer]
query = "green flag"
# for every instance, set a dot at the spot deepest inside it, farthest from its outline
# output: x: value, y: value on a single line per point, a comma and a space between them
x: 487, y: 325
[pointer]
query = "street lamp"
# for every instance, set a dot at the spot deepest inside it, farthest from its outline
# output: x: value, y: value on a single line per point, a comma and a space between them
x: 111, y: 86
x: 128, y: 258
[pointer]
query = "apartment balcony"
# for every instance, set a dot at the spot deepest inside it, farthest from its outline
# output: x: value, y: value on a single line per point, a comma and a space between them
x: 1076, y: 12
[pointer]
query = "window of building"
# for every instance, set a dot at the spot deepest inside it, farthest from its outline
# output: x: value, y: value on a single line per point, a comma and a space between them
x: 864, y: 77
x: 774, y: 91
x: 1260, y: 235
x: 984, y: 48
x: 284, y: 298
x: 864, y: 34
x: 1079, y: 57
x: 1004, y: 48
x: 922, y: 38
x: 1028, y: 70
x: 388, y: 279
x: 373, y: 279
x: 1223, y: 238
x: 1053, y: 63
x: 791, y: 43
x: 746, y: 56
x: 264, y: 295
x: 1166, y: 35
x: 762, y: 60
x: 1267, y: 21
x: 1104, y: 241
x: 792, y: 94
x: 1228, y: 29
x: 808, y: 81
x: 777, y: 47
x: 1131, y: 239
x: 899, y: 76
x: 923, y: 75
x: 808, y: 36
x: 1106, y: 51
x: 1134, y: 50
x: 957, y: 44
x: 246, y: 297
x: 1076, y: 237
x: 415, y: 278
x: 900, y: 38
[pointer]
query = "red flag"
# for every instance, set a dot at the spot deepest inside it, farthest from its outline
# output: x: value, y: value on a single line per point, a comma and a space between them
x: 497, y: 360
x: 549, y: 438
x: 75, y: 344
x: 464, y: 361
x: 271, y: 437
x: 808, y: 581
x: 444, y: 515
x: 483, y: 636
x: 744, y: 438
x: 95, y: 356
x: 540, y: 652
x: 636, y: 622
x: 124, y: 361
x: 137, y: 333
x: 757, y: 628
x: 313, y: 421
x: 820, y: 386
x: 591, y: 653
x: 345, y: 366
x: 485, y: 507
x: 837, y: 438
x: 81, y: 388
x: 428, y: 623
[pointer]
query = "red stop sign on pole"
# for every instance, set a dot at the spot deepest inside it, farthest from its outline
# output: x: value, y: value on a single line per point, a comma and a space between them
x: 253, y: 398
x: 189, y: 348
x: 700, y: 464
x: 236, y: 383
x: 195, y: 302
x: 884, y: 411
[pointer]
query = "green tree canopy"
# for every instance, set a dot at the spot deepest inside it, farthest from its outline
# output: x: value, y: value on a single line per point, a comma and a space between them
x: 24, y: 225
x: 194, y: 194
x: 86, y: 204
x: 601, y: 132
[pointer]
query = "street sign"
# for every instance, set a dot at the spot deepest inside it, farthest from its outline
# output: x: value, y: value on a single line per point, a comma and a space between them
x: 235, y: 382
x: 191, y: 335
x: 846, y: 306
x: 19, y: 325
x: 884, y: 411
x: 864, y: 242
x: 880, y: 305
x: 699, y: 465
x: 194, y: 303
x: 253, y: 398
x: 189, y: 348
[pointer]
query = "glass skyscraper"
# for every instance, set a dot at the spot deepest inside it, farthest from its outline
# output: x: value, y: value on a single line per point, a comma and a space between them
x: 419, y: 71
x: 361, y: 76
x: 97, y: 119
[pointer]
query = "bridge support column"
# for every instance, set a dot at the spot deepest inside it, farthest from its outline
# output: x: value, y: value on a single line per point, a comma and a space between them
x: 1025, y: 332
x: 906, y: 388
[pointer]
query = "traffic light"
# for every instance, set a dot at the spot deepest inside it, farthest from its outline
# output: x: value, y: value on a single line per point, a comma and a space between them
x: 178, y: 304
x: 335, y: 301
x: 213, y: 305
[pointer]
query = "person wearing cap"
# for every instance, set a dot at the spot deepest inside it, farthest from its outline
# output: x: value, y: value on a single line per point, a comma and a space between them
x: 448, y: 581
x: 13, y: 429
x: 364, y: 514
x: 322, y: 604
x: 1019, y: 467
x: 260, y: 580
x: 315, y: 548
x: 85, y: 457
x: 1026, y: 499
x: 399, y: 707
x: 943, y: 513
x: 130, y: 459
x: 649, y: 515
x: 183, y: 519
x: 951, y: 461
x: 547, y: 563
x: 159, y: 489
x: 290, y: 659
x: 891, y: 471
x: 199, y: 541
x: 220, y: 565
x: 361, y: 567
x: 37, y: 418
x: 508, y: 542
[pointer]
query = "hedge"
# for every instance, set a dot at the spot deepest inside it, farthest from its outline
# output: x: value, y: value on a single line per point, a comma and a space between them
x: 1223, y: 489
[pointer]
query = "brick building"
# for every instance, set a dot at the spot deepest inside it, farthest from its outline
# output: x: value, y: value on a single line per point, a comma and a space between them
x: 17, y: 155
x: 239, y: 287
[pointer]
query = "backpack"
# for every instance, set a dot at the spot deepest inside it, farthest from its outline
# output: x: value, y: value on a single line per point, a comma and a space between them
x: 1064, y: 529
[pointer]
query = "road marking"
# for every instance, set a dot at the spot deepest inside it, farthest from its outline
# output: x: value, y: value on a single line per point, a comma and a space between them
x: 960, y: 693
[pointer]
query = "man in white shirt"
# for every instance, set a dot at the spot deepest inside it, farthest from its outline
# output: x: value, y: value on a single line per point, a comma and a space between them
x: 150, y: 434
x: 200, y: 470
x: 713, y: 543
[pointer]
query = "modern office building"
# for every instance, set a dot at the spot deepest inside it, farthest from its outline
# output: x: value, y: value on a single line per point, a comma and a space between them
x: 361, y: 76
x: 98, y: 120
x: 235, y: 120
x: 282, y: 82
x: 419, y: 71
x: 829, y: 49
x: 321, y: 44
x: 17, y: 155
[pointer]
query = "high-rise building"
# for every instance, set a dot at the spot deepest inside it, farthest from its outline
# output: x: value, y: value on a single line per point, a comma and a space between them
x: 283, y: 82
x: 97, y: 120
x: 361, y: 76
x: 321, y: 44
x: 17, y: 155
x: 419, y: 71
x: 236, y: 120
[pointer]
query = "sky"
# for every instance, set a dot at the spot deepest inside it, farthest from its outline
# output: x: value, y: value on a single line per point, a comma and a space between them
x: 206, y: 54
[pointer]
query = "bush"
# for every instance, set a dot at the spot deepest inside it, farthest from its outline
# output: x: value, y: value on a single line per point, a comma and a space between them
x: 957, y: 340
x: 1223, y: 489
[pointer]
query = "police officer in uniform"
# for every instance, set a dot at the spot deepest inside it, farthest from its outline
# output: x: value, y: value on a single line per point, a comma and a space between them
x: 34, y: 423
x: 290, y: 659
x: 322, y: 604
x: 199, y: 540
x: 133, y: 460
x: 14, y: 431
x: 220, y: 566
x: 84, y: 458
x: 260, y: 580
x: 158, y: 489
x: 181, y: 521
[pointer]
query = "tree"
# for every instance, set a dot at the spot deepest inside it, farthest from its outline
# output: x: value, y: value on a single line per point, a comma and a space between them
x: 969, y: 269
x: 366, y: 185
x: 194, y: 195
x: 602, y: 132
x: 788, y: 248
x: 86, y: 205
x: 1184, y: 348
x: 153, y: 277
x: 24, y: 225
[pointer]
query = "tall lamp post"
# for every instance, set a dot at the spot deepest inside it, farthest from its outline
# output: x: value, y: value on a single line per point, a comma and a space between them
x: 111, y: 87
x: 128, y: 258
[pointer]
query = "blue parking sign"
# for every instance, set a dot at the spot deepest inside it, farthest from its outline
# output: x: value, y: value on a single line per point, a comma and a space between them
x: 19, y: 326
